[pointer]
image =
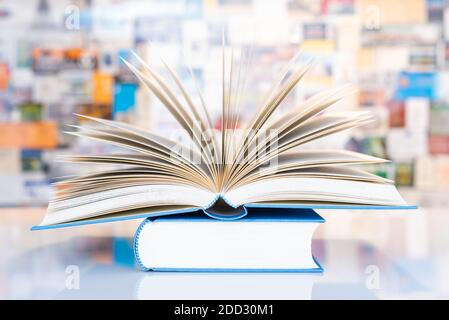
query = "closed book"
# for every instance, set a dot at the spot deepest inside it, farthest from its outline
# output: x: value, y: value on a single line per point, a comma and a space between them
x: 265, y: 240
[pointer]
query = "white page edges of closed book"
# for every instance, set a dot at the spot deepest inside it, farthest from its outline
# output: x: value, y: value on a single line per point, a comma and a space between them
x: 232, y: 245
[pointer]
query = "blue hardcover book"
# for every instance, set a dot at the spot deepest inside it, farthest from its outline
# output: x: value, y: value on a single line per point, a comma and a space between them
x: 265, y: 240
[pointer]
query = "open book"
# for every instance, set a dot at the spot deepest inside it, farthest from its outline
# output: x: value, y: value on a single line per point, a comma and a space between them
x: 222, y: 171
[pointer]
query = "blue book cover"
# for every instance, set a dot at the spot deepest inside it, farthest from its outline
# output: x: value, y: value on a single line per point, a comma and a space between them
x: 264, y: 240
x: 239, y: 215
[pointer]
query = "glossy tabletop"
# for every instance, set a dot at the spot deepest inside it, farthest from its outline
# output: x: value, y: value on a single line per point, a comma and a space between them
x: 365, y: 255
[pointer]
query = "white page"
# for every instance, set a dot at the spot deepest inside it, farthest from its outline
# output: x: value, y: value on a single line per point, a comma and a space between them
x: 363, y: 191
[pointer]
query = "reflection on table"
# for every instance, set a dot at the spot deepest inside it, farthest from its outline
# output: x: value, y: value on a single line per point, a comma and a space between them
x: 386, y: 256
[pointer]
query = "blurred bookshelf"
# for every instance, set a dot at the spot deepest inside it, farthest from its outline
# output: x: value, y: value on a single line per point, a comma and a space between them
x: 63, y: 57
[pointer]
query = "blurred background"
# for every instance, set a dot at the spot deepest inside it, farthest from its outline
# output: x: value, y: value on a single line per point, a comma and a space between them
x: 59, y: 57
x: 63, y: 57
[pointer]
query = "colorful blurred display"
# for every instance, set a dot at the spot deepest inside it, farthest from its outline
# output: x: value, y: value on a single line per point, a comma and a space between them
x: 58, y: 58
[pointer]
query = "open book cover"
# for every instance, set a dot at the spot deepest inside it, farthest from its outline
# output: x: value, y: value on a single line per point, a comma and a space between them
x: 225, y: 168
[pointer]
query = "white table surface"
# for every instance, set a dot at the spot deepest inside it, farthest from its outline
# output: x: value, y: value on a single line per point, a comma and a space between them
x: 365, y: 255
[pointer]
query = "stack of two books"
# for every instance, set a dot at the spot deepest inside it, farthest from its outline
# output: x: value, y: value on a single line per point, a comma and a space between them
x: 229, y: 211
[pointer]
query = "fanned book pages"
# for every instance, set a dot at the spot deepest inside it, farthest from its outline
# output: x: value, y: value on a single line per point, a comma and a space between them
x: 222, y: 171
